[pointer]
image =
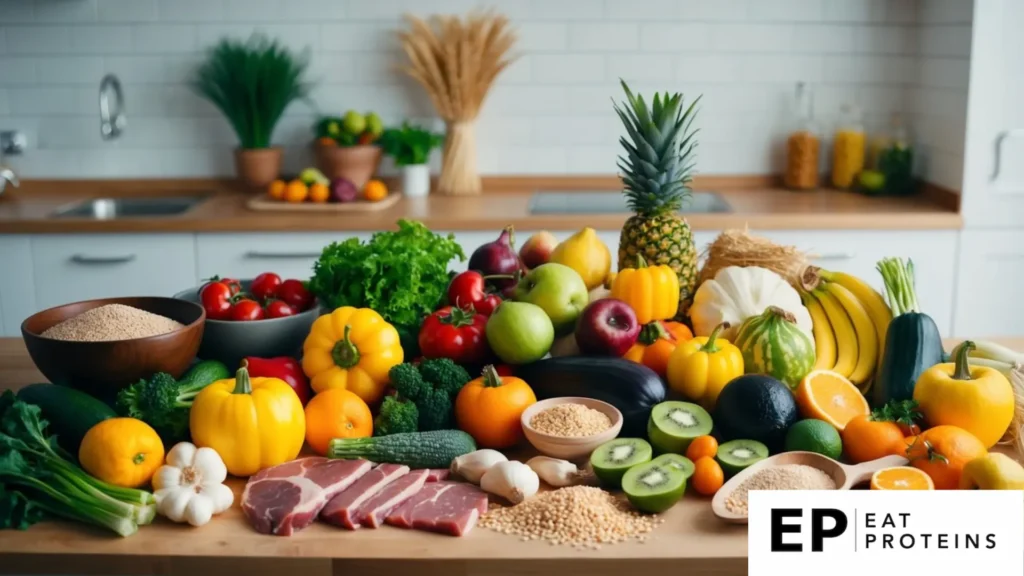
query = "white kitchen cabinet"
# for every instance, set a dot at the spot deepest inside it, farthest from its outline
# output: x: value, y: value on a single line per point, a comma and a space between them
x: 993, y: 194
x: 17, y: 293
x: 69, y: 268
x: 291, y: 254
x: 988, y: 294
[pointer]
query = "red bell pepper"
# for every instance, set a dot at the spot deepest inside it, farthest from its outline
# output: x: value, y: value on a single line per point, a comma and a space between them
x: 455, y: 333
x: 283, y: 368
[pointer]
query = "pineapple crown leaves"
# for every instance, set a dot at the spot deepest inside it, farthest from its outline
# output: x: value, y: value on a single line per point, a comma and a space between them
x: 658, y: 164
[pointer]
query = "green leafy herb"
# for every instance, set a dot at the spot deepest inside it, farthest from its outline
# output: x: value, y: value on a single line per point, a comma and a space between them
x: 899, y: 411
x: 410, y: 145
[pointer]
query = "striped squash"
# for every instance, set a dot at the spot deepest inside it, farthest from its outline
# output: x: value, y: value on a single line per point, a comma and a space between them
x: 773, y: 344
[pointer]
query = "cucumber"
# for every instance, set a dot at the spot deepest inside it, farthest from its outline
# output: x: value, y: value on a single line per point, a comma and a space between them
x: 70, y: 413
x: 435, y: 449
x: 203, y: 374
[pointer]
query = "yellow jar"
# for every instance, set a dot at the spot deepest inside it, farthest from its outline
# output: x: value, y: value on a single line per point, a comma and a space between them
x: 848, y: 148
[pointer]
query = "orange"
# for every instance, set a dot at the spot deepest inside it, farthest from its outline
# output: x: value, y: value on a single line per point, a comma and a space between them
x: 901, y: 478
x: 942, y: 452
x: 336, y: 413
x: 702, y: 446
x: 707, y: 476
x: 276, y: 189
x: 296, y: 191
x: 828, y: 396
x: 319, y: 192
x: 375, y: 191
x: 865, y: 439
x: 326, y: 141
x: 122, y: 451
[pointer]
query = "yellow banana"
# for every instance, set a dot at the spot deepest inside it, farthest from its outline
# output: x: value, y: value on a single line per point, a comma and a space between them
x: 824, y: 338
x: 867, y: 338
x: 846, y: 338
x: 877, y: 309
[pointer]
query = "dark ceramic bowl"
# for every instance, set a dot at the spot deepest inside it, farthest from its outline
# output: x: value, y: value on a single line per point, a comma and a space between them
x: 103, y: 368
x: 229, y: 342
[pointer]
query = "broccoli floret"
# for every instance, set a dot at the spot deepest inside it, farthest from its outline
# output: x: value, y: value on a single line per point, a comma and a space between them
x: 160, y: 402
x: 432, y: 387
x: 396, y: 416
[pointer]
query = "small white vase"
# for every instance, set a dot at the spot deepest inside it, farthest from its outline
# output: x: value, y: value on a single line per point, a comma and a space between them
x: 416, y: 180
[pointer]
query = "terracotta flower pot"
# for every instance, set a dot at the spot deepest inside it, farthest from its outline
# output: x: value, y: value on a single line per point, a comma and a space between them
x: 258, y: 167
x: 356, y: 164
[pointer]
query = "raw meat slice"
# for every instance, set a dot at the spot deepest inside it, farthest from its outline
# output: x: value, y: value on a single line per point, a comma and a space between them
x: 446, y: 507
x: 343, y: 508
x: 287, y: 497
x: 437, y: 474
x: 373, y: 511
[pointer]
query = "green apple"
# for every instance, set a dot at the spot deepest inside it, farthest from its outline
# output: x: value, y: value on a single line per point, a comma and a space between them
x: 374, y: 124
x: 519, y: 332
x: 354, y: 123
x: 559, y: 290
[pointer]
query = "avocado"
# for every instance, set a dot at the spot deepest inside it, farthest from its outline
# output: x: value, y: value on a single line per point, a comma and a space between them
x: 756, y: 407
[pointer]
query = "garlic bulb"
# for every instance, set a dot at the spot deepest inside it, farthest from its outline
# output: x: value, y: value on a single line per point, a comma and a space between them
x: 190, y: 486
x: 512, y: 480
x: 557, y: 473
x: 473, y: 465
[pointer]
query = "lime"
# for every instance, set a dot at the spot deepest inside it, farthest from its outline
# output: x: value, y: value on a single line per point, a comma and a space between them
x: 872, y: 180
x: 354, y: 123
x: 812, y: 435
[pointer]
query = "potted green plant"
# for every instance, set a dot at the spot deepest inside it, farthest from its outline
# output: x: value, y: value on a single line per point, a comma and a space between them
x: 410, y: 146
x: 346, y: 146
x: 252, y: 82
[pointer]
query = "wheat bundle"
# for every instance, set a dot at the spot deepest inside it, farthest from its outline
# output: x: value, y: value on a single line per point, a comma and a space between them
x: 456, y: 61
x: 740, y: 248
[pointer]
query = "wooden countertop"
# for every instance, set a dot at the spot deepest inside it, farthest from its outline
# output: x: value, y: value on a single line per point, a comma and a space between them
x: 755, y: 202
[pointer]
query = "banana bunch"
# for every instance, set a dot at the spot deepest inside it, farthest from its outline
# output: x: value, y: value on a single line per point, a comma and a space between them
x: 850, y: 321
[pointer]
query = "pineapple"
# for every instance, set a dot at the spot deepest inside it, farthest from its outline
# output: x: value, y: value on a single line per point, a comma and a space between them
x: 656, y: 173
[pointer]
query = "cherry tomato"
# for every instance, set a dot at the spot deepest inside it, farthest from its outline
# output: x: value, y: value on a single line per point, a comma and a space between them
x: 265, y: 286
x: 279, y: 309
x: 455, y: 333
x: 246, y: 310
x: 294, y: 293
x: 234, y: 284
x: 465, y: 289
x: 487, y: 305
x: 216, y: 300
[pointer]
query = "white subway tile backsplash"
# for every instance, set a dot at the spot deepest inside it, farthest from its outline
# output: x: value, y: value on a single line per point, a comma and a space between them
x: 58, y: 11
x: 126, y: 10
x: 294, y: 36
x: 17, y: 71
x: 604, y: 37
x: 31, y: 39
x: 69, y: 70
x: 774, y: 68
x: 662, y: 37
x: 571, y: 130
x: 645, y: 10
x: 946, y: 40
x: 635, y: 68
x: 55, y: 100
x: 542, y: 36
x: 5, y: 107
x: 944, y: 72
x: 16, y: 11
x: 869, y: 69
x: 314, y: 10
x: 101, y: 39
x: 378, y: 9
x: 59, y: 133
x: 856, y: 10
x: 886, y: 40
x: 185, y: 162
x: 709, y: 68
x: 193, y: 11
x: 164, y: 38
x: 788, y: 11
x: 356, y: 37
x: 592, y: 160
x: 946, y: 11
x: 567, y: 68
x: 570, y: 10
x: 523, y: 100
x: 753, y: 38
x: 256, y: 10
x: 717, y: 11
x: 825, y: 38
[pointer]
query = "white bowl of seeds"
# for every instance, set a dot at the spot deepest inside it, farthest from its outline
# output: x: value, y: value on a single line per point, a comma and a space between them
x: 570, y: 427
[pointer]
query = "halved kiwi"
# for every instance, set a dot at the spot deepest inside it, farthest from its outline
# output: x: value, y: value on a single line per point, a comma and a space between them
x: 654, y: 486
x: 735, y: 455
x: 673, y: 425
x: 612, y: 459
x: 681, y: 463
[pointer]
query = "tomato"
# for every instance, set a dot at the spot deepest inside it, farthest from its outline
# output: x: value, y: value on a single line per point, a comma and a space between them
x: 216, y: 300
x: 487, y: 305
x: 245, y: 310
x: 233, y: 284
x: 293, y: 292
x: 264, y: 287
x: 279, y: 309
x: 468, y: 290
x: 455, y: 333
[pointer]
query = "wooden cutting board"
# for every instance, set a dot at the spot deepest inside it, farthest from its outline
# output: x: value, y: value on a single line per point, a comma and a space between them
x: 264, y: 203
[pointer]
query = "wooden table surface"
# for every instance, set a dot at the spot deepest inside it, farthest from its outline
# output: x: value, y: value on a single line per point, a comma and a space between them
x: 690, y: 541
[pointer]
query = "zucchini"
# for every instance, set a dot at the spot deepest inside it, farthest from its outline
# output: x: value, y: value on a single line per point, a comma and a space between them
x: 70, y: 413
x: 632, y: 388
x: 435, y: 449
x: 203, y: 374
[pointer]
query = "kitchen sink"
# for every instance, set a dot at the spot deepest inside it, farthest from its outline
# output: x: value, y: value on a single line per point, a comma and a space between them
x: 111, y: 208
x: 614, y: 202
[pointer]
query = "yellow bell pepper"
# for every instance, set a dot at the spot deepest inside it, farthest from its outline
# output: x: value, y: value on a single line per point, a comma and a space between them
x: 652, y: 291
x: 351, y: 348
x: 993, y: 471
x: 699, y: 368
x: 976, y: 398
x: 253, y: 423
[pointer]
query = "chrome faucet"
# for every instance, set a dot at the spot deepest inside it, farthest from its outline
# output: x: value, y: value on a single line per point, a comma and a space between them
x: 112, y: 120
x: 7, y: 176
x: 12, y: 143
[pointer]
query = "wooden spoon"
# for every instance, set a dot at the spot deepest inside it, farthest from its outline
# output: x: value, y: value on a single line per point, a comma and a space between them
x: 843, y: 475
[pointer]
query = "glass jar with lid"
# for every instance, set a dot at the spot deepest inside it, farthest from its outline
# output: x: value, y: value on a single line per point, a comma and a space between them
x: 896, y: 160
x: 803, y: 145
x: 848, y: 147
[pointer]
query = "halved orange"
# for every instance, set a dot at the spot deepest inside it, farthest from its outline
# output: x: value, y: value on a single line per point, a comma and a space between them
x: 901, y: 478
x: 829, y: 396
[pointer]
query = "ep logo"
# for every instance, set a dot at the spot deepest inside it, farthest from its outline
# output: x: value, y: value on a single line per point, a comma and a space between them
x: 822, y: 523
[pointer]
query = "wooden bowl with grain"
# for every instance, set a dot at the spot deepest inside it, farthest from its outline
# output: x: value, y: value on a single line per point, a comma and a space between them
x: 101, y: 368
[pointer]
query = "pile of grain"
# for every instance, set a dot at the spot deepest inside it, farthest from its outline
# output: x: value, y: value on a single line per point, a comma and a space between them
x: 570, y: 421
x: 579, y: 516
x: 787, y: 477
x: 111, y: 322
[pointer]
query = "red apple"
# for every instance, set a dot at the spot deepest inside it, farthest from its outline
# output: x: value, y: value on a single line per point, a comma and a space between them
x: 607, y: 327
x: 538, y: 249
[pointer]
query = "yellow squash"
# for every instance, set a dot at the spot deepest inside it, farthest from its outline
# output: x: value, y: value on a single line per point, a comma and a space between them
x: 699, y: 368
x: 976, y: 398
x: 351, y: 348
x: 122, y: 451
x: 585, y: 253
x: 652, y: 291
x: 253, y: 423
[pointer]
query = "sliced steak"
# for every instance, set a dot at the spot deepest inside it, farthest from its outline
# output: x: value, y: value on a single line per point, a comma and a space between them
x: 288, y: 497
x: 342, y: 509
x: 373, y: 511
x: 437, y: 474
x: 446, y: 507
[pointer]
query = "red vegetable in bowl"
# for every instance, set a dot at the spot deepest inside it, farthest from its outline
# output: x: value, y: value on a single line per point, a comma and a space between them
x: 294, y: 293
x: 279, y: 309
x: 246, y: 310
x: 216, y: 299
x: 265, y: 286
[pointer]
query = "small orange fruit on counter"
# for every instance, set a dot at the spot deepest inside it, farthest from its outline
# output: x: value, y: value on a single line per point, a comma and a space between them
x: 707, y: 476
x: 296, y: 191
x: 375, y: 191
x: 901, y: 478
x: 276, y: 189
x: 122, y: 451
x: 829, y: 396
x: 942, y: 452
x: 336, y: 413
x: 702, y: 446
x: 319, y: 193
x: 865, y: 439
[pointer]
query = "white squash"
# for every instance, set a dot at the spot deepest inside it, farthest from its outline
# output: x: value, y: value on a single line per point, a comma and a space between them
x: 737, y: 293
